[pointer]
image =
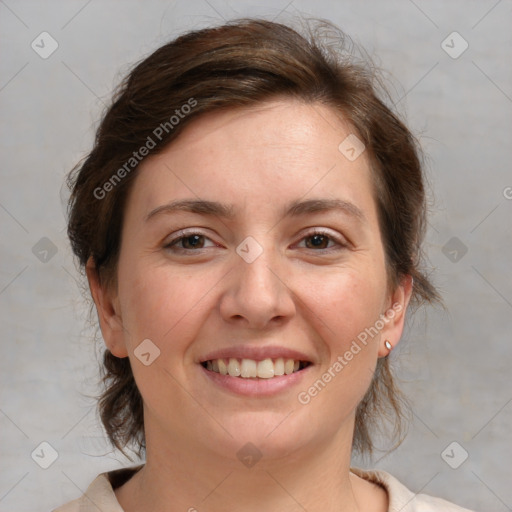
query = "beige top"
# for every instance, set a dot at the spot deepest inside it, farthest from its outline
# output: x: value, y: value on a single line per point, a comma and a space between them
x: 100, y: 494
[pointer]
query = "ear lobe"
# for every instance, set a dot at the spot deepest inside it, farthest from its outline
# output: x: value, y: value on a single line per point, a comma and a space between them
x: 110, y: 321
x: 394, y: 317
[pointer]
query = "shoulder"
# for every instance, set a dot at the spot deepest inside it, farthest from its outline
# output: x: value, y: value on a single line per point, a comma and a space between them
x: 100, y: 493
x: 402, y: 499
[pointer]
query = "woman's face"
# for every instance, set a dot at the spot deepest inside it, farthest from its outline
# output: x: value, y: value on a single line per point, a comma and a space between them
x: 277, y: 255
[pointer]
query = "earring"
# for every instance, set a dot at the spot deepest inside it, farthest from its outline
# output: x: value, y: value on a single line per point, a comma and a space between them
x: 388, y: 345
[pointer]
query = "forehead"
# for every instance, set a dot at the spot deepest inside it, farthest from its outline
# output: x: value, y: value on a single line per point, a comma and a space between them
x: 287, y: 124
x: 280, y: 150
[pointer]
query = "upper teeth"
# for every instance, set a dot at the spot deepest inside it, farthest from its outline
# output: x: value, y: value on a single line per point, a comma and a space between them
x: 248, y: 368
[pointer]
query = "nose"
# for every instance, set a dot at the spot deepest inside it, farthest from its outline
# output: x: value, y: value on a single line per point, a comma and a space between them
x: 256, y: 294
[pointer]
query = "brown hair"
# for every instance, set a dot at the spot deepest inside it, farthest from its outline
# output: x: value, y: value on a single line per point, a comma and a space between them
x: 239, y: 64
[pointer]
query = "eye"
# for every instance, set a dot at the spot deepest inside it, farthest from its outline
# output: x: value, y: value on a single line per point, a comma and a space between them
x: 189, y: 242
x: 323, y: 240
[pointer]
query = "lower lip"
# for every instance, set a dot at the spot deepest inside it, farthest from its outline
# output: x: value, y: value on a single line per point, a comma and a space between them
x: 256, y: 386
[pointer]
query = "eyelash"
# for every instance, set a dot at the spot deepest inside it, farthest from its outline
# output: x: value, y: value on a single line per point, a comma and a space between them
x: 318, y: 232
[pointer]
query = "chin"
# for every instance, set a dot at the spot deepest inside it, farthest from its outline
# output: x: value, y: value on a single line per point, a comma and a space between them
x: 265, y: 434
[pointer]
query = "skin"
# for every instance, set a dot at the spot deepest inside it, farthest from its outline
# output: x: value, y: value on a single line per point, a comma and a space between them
x: 191, y: 301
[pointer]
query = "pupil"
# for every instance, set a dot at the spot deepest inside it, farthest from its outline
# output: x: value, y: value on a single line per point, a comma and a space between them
x: 317, y: 240
x: 193, y: 240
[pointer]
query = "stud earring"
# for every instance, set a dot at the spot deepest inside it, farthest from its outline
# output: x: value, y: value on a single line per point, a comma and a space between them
x: 388, y: 345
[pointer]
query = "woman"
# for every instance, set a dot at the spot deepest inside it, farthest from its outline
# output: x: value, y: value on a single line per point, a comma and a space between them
x: 250, y: 221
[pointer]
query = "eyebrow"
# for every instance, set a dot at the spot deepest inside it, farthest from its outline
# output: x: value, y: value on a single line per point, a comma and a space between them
x: 294, y: 209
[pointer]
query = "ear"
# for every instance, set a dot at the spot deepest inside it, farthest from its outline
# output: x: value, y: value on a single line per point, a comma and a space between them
x: 394, y: 316
x: 107, y: 308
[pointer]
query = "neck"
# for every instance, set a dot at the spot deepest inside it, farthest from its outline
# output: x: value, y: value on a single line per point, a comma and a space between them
x: 180, y: 476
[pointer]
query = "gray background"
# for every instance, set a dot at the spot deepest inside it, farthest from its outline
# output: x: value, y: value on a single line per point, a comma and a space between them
x: 455, y: 364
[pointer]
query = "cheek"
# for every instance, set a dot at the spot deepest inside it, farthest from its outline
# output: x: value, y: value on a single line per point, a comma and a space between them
x: 345, y: 302
x: 166, y: 308
x: 162, y: 305
x: 347, y: 306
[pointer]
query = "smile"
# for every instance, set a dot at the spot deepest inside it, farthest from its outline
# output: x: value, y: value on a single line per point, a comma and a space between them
x: 249, y: 368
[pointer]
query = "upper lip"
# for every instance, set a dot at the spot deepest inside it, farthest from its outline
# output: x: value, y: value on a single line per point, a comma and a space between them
x: 256, y: 353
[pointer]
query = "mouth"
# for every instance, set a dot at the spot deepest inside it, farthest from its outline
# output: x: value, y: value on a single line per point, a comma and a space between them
x: 255, y: 369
